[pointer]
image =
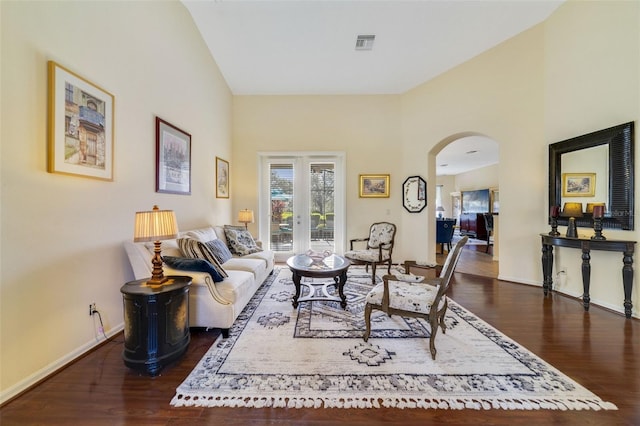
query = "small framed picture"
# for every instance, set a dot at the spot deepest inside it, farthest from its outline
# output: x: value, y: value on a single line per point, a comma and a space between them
x: 80, y: 139
x: 578, y: 184
x: 222, y: 178
x: 173, y: 159
x: 374, y: 186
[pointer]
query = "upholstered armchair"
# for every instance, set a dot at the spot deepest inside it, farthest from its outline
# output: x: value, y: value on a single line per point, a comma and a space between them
x: 379, y: 248
x: 410, y: 296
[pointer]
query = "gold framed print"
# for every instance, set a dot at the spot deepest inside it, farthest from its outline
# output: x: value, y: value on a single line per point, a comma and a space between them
x: 80, y: 126
x: 374, y: 186
x: 222, y: 178
x: 578, y: 184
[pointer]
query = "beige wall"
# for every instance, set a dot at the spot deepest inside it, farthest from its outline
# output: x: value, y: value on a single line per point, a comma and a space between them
x: 366, y: 128
x: 592, y: 77
x: 61, y: 236
x: 498, y: 94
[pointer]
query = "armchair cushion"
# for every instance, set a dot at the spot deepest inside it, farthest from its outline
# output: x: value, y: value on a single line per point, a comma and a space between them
x: 193, y: 264
x: 410, y: 278
x: 412, y: 297
x: 367, y: 255
x: 240, y: 241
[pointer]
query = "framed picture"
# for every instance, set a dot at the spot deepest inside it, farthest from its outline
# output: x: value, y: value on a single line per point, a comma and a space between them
x: 222, y: 178
x: 173, y: 159
x: 80, y: 127
x: 578, y: 184
x: 374, y: 186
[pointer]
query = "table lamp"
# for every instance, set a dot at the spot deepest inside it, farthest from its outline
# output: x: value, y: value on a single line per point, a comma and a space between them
x: 245, y: 216
x: 155, y: 225
x: 440, y: 211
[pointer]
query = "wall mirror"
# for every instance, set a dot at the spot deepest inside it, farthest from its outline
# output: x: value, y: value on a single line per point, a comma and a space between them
x: 414, y: 194
x: 604, y: 161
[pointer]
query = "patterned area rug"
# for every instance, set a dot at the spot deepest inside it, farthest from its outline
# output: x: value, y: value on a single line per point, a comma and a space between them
x: 277, y: 356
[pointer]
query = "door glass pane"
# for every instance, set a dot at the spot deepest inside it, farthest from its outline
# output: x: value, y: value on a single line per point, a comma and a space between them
x: 281, y: 200
x: 321, y: 205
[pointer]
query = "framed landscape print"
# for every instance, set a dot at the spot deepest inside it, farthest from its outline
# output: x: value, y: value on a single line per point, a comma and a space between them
x: 173, y: 159
x: 80, y: 127
x: 222, y: 178
x: 578, y: 184
x: 374, y: 186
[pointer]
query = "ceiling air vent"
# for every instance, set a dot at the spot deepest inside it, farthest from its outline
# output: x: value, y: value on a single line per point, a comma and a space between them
x: 365, y: 42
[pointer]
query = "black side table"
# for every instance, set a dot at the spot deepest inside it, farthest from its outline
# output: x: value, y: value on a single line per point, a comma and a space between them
x: 156, y: 323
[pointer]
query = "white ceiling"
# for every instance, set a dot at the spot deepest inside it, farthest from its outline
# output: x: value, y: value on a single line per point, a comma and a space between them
x: 465, y: 154
x: 299, y: 47
x: 279, y: 47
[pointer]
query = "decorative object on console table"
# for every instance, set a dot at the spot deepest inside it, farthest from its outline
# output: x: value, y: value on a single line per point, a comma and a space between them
x: 572, y: 210
x: 156, y: 323
x: 587, y: 245
x: 598, y: 213
x: 155, y: 225
x: 554, y: 212
x: 173, y: 159
x: 245, y: 216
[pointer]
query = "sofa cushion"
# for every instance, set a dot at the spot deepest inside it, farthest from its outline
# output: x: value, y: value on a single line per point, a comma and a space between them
x: 240, y: 241
x: 195, y: 249
x: 256, y: 266
x: 193, y: 264
x: 219, y: 250
x: 203, y: 234
x: 168, y: 247
x: 237, y: 286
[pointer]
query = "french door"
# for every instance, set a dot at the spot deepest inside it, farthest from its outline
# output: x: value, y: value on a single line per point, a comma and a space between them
x: 302, y: 203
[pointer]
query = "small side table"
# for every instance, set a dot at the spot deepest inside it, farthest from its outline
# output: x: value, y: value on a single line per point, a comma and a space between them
x: 156, y: 323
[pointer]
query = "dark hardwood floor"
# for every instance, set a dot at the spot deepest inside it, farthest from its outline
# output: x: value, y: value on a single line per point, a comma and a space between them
x: 599, y: 349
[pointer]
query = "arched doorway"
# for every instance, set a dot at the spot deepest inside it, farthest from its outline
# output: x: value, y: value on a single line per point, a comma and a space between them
x: 467, y: 164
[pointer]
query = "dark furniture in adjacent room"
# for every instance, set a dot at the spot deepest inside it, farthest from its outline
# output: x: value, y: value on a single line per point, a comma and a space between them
x: 156, y: 323
x: 473, y: 225
x: 444, y: 233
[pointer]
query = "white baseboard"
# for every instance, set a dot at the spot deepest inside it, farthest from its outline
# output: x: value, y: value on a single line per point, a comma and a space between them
x: 50, y: 369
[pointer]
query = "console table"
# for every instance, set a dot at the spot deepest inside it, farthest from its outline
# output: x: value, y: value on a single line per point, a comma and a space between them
x: 586, y: 245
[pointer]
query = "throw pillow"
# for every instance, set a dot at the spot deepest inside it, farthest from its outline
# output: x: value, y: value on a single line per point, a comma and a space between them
x: 240, y: 241
x: 199, y: 265
x: 219, y: 250
x: 195, y: 249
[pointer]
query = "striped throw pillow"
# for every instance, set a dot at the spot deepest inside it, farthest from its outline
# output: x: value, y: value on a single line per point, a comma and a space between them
x: 196, y: 250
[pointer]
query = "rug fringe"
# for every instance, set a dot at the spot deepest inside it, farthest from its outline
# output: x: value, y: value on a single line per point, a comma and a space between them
x: 597, y: 404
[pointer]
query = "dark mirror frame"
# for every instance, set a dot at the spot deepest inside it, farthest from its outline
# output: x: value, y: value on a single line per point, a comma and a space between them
x: 620, y: 140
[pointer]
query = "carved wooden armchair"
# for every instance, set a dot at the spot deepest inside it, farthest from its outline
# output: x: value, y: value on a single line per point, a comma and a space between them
x: 378, y: 250
x: 407, y: 295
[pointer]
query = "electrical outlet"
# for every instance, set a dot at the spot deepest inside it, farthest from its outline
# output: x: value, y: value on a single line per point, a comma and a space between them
x: 92, y: 308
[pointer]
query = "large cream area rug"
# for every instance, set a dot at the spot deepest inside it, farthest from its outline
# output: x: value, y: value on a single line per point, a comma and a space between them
x: 314, y: 356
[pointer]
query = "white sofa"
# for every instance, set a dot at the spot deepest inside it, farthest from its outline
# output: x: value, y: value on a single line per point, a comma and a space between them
x: 211, y: 305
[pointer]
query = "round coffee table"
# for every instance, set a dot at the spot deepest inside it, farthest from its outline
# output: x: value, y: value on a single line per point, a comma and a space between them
x: 332, y: 266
